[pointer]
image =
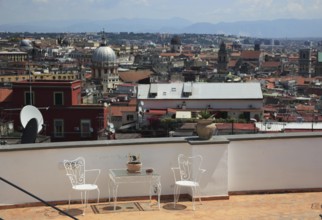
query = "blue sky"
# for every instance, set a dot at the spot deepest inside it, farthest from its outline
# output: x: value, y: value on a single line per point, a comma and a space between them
x: 214, y: 11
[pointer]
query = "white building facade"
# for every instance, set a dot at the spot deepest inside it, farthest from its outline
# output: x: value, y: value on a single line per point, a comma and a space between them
x: 224, y: 100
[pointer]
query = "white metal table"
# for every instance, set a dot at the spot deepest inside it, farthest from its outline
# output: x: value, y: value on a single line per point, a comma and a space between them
x: 122, y: 176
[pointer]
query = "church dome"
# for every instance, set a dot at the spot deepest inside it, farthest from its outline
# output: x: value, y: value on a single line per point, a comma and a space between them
x: 25, y: 43
x: 66, y: 42
x: 176, y: 40
x: 104, y: 54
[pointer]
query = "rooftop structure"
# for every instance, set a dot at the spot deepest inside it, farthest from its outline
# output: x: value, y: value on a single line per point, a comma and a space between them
x: 201, y: 91
x: 266, y: 166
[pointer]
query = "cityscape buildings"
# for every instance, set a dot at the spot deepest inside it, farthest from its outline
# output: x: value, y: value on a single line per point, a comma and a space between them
x: 113, y: 71
x: 94, y: 87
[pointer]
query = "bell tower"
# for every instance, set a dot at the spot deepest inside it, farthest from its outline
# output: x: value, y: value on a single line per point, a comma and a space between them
x: 305, y: 62
x: 223, y: 59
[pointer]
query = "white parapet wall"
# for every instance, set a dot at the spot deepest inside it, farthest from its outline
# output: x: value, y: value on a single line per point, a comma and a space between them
x: 275, y: 162
x: 234, y: 163
x: 38, y: 168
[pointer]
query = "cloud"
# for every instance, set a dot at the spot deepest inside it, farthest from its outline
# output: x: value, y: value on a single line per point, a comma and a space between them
x: 40, y: 1
x: 213, y: 11
x: 295, y: 7
x: 140, y: 2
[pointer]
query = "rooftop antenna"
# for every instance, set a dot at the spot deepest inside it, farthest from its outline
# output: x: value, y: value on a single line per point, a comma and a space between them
x: 30, y: 91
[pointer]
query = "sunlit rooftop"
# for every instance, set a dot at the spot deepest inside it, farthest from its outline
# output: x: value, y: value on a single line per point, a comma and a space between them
x: 260, y: 206
x: 260, y: 176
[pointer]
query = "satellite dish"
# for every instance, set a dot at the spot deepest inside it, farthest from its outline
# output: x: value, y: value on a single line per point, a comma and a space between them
x: 28, y: 112
x: 29, y: 134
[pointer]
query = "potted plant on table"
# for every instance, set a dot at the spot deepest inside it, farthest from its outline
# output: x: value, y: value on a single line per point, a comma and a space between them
x: 134, y: 163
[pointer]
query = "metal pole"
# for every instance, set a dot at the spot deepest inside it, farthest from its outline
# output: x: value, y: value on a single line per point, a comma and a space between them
x: 30, y: 98
x: 312, y: 121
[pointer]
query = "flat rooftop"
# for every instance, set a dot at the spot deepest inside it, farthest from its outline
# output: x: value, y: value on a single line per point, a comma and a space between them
x: 259, y: 206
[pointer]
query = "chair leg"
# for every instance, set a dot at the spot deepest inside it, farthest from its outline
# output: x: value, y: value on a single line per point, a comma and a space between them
x: 196, y: 193
x: 82, y: 198
x: 193, y: 197
x: 98, y: 195
x: 86, y: 199
x: 68, y: 201
x: 199, y: 194
x: 85, y: 202
x: 176, y: 195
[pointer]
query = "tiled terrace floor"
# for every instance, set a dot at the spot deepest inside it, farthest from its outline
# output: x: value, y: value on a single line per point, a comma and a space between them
x: 265, y: 206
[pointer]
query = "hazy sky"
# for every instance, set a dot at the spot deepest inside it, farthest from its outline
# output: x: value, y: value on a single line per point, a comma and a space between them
x: 214, y: 11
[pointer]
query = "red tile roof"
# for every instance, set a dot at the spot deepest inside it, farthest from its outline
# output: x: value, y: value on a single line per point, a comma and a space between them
x: 117, y: 110
x: 250, y: 54
x: 134, y: 76
x: 301, y: 107
x: 133, y: 102
x: 237, y: 126
x: 271, y: 64
x: 169, y: 54
x: 235, y: 54
x: 157, y: 112
x: 5, y: 94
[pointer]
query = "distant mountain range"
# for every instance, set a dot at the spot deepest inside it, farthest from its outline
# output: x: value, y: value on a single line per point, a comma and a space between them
x: 280, y: 28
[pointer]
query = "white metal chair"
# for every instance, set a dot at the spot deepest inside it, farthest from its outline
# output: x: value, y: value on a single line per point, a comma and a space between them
x: 75, y: 170
x: 188, y: 174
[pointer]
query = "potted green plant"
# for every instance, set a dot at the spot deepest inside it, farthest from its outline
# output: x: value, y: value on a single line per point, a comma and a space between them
x: 205, y: 114
x: 134, y: 163
x: 205, y: 127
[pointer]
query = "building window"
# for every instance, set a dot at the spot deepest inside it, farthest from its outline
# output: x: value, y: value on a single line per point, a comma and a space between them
x: 58, y: 128
x: 58, y: 98
x: 29, y: 98
x: 130, y: 117
x: 86, y: 128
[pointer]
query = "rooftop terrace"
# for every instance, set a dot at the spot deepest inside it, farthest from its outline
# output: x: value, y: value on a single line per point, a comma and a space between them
x: 264, y: 206
x: 262, y: 176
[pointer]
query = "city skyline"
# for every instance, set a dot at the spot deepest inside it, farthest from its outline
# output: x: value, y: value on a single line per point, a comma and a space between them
x: 212, y: 11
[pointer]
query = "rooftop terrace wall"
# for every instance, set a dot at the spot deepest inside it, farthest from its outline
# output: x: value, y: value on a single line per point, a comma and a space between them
x: 234, y: 164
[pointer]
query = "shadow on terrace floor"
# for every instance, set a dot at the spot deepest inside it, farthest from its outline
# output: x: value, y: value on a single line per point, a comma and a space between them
x: 264, y: 206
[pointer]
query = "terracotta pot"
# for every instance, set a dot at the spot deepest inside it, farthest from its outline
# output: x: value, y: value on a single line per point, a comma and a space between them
x: 205, y: 129
x: 134, y: 167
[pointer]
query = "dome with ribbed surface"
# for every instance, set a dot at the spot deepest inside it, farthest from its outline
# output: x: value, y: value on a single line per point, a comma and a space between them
x: 104, y: 54
x: 25, y: 44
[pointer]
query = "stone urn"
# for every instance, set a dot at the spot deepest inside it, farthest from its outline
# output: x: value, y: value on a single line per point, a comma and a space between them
x: 205, y: 128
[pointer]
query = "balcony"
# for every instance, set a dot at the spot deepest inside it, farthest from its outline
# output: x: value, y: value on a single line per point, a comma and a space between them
x: 248, y: 176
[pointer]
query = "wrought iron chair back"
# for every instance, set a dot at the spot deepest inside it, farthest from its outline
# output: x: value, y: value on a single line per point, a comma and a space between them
x: 190, y: 167
x: 188, y: 174
x: 76, y: 172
